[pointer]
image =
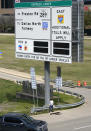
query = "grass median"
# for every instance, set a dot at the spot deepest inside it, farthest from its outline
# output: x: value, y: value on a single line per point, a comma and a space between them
x: 74, y: 71
x: 9, y: 103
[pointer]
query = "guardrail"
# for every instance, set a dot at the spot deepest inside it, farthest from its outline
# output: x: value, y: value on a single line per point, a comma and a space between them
x: 88, y: 87
x: 38, y: 109
x: 67, y: 84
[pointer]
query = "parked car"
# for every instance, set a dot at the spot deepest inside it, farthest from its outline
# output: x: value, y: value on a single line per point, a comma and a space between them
x: 21, y: 122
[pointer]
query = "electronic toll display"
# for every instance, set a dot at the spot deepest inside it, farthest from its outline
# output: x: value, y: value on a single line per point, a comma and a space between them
x: 44, y: 30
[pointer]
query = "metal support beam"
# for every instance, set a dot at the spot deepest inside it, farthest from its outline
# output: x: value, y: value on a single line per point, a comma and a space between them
x: 47, y: 82
x: 0, y: 4
x: 78, y: 32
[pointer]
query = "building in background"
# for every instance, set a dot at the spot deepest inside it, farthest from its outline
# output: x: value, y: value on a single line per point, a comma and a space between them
x: 6, y: 7
x: 87, y: 2
x: 87, y: 17
x: 87, y: 5
x: 7, y: 16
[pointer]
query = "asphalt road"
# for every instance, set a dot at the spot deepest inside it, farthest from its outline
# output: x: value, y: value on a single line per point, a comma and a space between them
x: 76, y: 119
x: 81, y: 124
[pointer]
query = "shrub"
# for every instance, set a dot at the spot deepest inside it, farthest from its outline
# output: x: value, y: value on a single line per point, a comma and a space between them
x: 7, y: 23
x: 87, y: 20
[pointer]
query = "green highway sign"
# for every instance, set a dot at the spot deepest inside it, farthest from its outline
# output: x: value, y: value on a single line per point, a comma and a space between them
x: 43, y: 4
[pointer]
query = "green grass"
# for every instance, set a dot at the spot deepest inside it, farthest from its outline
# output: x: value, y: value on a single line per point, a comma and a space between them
x: 65, y: 99
x: 8, y: 90
x: 8, y: 60
x: 74, y: 71
x: 9, y: 103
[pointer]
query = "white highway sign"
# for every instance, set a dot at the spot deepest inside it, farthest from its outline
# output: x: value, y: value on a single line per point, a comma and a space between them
x: 44, y: 31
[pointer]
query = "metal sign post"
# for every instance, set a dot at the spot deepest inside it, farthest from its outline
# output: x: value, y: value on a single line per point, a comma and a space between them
x: 33, y: 83
x: 33, y: 98
x: 58, y: 97
x: 58, y: 81
x: 47, y: 82
x: 37, y: 97
x: 78, y: 31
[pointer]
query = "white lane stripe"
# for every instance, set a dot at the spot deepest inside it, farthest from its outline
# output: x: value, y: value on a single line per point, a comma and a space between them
x: 82, y: 127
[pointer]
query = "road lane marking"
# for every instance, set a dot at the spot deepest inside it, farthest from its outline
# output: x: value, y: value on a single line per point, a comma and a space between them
x: 82, y: 127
